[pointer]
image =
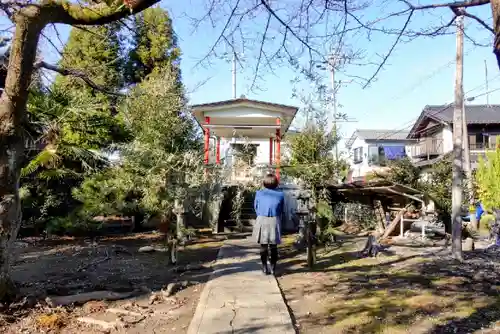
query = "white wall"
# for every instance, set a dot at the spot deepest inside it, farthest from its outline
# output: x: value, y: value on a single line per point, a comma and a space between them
x: 227, y: 116
x: 262, y: 156
x: 362, y: 168
x: 447, y: 136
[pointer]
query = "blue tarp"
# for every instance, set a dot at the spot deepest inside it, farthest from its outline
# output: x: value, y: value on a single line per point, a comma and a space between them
x: 394, y: 152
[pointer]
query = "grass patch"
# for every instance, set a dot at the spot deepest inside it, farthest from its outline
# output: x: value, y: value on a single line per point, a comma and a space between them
x: 397, y: 293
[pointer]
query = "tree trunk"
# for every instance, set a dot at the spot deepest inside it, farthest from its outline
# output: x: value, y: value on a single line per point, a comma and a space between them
x: 12, y: 121
x: 180, y: 213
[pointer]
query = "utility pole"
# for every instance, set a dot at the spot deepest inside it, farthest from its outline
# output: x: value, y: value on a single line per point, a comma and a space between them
x: 332, y: 62
x: 470, y: 181
x: 486, y: 82
x: 234, y: 74
x: 456, y: 189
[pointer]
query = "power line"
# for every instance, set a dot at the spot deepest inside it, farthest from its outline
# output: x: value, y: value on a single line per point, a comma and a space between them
x: 431, y: 75
x: 446, y: 106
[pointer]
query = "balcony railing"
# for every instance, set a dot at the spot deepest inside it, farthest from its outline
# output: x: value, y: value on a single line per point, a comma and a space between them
x: 480, y: 146
x: 249, y: 174
x: 427, y: 147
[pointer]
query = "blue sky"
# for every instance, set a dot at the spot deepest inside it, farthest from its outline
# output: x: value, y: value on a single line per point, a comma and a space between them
x: 418, y: 73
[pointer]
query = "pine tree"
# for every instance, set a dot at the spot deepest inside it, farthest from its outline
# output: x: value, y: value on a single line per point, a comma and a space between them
x: 154, y: 47
x: 161, y: 164
x: 75, y: 125
x: 95, y: 51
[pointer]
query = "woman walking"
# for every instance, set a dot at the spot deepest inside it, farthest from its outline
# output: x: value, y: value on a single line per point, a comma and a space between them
x: 267, y: 230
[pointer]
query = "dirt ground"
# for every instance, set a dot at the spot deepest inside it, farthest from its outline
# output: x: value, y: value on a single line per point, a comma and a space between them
x: 405, y: 290
x: 65, y: 267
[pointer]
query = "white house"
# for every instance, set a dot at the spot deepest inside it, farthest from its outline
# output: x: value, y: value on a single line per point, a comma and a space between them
x: 244, y: 135
x: 433, y: 136
x: 369, y: 150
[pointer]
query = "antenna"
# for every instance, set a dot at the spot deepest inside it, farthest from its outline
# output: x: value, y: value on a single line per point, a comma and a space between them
x: 234, y: 74
x: 486, y: 78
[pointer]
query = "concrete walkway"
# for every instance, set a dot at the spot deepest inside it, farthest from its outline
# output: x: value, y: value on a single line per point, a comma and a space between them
x: 239, y: 298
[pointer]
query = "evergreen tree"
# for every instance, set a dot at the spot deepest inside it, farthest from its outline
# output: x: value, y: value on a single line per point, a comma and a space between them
x: 75, y: 125
x: 154, y: 47
x: 161, y: 164
x: 95, y: 51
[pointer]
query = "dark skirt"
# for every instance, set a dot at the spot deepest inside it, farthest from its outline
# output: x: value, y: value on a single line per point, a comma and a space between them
x: 266, y: 230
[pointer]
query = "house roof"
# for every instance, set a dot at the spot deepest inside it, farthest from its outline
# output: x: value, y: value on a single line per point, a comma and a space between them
x: 244, y: 100
x: 286, y: 112
x: 474, y: 114
x: 372, y: 134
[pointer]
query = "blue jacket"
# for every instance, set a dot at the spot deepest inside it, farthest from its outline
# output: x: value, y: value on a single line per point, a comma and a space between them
x: 269, y: 202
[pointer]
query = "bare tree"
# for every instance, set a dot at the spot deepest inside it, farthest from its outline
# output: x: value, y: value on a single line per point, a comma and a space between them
x: 29, y: 20
x: 304, y: 33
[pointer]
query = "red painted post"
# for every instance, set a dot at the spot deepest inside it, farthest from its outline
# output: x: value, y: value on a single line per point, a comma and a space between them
x: 278, y: 147
x: 274, y: 150
x: 217, y: 150
x: 207, y: 139
x: 270, y: 150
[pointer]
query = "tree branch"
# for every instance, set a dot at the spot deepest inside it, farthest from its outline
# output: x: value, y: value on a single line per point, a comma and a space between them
x: 73, y: 14
x: 390, y: 50
x: 479, y: 20
x: 77, y: 74
x: 454, y: 4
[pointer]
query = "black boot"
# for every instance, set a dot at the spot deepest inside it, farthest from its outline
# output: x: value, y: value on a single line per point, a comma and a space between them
x: 263, y: 258
x: 274, y: 258
x: 273, y: 269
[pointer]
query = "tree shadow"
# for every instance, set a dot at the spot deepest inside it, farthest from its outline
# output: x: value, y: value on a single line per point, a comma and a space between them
x: 57, y: 267
x: 428, y: 293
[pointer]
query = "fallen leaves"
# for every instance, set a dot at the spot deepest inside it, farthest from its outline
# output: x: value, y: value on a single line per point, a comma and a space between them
x: 53, y: 321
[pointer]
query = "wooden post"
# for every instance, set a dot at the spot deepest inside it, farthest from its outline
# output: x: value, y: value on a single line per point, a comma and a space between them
x: 207, y: 139
x: 456, y: 190
x: 217, y: 150
x: 470, y: 181
x: 401, y: 227
x: 278, y: 147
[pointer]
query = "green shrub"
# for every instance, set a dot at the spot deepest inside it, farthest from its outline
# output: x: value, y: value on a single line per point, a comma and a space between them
x: 486, y: 221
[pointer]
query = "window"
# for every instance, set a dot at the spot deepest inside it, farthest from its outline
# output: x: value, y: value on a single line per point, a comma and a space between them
x: 381, y: 156
x: 358, y: 155
x: 373, y: 156
x: 376, y: 155
x: 481, y: 141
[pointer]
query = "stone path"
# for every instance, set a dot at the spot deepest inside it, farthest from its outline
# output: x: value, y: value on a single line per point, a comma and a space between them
x: 239, y: 298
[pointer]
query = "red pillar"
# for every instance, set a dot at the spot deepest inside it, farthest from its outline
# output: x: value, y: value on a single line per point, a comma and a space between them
x: 207, y: 140
x: 274, y: 150
x: 270, y: 150
x: 278, y: 147
x: 217, y: 150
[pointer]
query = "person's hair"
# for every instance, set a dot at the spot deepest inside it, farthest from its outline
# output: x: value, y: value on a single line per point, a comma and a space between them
x: 270, y: 181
